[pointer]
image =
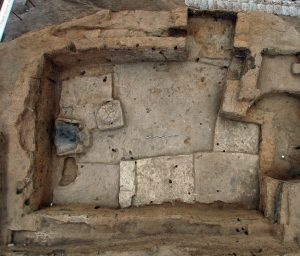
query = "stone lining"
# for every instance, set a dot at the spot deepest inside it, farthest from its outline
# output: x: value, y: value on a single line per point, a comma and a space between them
x: 279, y: 7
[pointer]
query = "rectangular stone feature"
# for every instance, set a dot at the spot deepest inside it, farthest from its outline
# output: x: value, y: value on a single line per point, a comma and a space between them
x: 127, y: 183
x: 226, y: 177
x: 296, y: 68
x: 234, y: 136
x: 95, y: 183
x: 164, y: 179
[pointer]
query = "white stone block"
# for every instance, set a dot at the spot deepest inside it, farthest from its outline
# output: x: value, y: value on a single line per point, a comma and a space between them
x: 261, y: 7
x: 210, y: 4
x: 285, y: 10
x: 253, y: 6
x: 236, y: 6
x: 203, y: 5
x: 233, y: 136
x: 277, y: 9
x: 164, y: 179
x: 293, y: 11
x: 245, y: 7
x: 269, y: 8
x: 127, y: 183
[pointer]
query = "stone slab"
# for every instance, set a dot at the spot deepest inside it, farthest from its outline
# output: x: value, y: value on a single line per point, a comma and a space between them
x: 127, y: 183
x: 296, y: 68
x: 110, y: 116
x: 164, y: 179
x: 226, y: 177
x: 168, y: 108
x: 86, y: 89
x: 234, y: 136
x: 96, y: 184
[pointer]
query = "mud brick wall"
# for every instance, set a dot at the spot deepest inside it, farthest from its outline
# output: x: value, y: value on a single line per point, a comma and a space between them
x: 279, y: 7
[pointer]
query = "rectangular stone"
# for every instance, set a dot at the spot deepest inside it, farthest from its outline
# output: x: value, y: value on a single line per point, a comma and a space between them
x: 164, y: 179
x: 234, y: 136
x: 226, y: 177
x: 96, y: 184
x: 86, y: 89
x: 296, y: 68
x: 127, y: 183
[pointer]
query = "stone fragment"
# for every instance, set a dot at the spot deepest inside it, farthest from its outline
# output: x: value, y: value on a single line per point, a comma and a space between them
x: 127, y: 183
x: 296, y: 68
x: 70, y: 137
x: 110, y: 115
x: 234, y: 136
x: 96, y: 184
x: 164, y: 179
x: 226, y: 177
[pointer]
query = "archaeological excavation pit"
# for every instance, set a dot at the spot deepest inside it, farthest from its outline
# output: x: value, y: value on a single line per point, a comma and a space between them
x: 137, y: 126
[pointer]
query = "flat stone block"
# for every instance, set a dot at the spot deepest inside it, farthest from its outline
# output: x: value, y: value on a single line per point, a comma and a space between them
x: 96, y: 184
x: 110, y: 116
x: 233, y: 136
x: 296, y: 68
x: 164, y: 179
x: 226, y: 177
x: 86, y: 89
x: 127, y: 183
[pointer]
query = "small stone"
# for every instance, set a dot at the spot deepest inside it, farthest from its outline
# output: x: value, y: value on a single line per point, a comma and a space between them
x: 110, y: 116
x: 296, y: 68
